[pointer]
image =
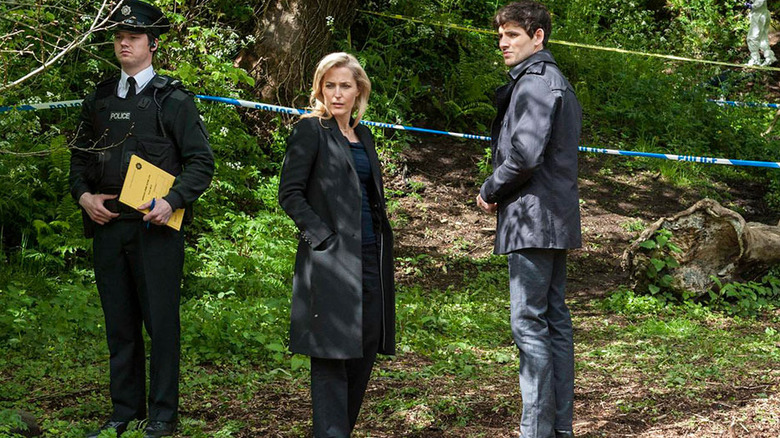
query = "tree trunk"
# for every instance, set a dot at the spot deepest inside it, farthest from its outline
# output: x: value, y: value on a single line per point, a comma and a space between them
x: 290, y: 38
x: 715, y: 242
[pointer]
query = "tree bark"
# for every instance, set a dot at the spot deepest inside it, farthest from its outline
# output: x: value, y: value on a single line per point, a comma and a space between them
x: 290, y: 38
x: 716, y: 243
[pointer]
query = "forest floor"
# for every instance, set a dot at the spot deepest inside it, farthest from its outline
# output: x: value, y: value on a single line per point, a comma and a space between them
x: 661, y: 375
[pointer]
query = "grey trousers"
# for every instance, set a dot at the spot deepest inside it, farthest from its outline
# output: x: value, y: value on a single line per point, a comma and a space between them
x: 542, y: 331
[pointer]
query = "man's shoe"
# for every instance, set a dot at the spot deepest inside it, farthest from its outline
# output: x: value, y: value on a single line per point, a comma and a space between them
x: 156, y: 429
x: 564, y: 434
x: 119, y: 426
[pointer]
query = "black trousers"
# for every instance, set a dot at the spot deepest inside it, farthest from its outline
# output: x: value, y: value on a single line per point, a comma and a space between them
x: 338, y: 385
x: 138, y: 272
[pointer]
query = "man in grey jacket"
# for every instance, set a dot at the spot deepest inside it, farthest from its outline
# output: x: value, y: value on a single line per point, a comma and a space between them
x: 533, y: 189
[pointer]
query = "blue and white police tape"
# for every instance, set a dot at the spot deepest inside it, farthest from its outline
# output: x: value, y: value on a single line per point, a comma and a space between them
x: 688, y: 158
x: 744, y: 104
x: 47, y: 105
x: 252, y: 105
x: 287, y: 110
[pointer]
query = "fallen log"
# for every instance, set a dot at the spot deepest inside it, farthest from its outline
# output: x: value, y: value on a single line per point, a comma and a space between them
x: 715, y: 243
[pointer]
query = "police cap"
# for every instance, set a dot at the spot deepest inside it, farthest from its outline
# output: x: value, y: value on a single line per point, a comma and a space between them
x: 141, y: 17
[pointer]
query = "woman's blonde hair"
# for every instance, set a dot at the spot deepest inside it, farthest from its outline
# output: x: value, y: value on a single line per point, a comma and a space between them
x: 316, y: 99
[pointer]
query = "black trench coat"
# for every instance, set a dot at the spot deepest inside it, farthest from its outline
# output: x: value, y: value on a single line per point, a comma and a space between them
x: 320, y: 190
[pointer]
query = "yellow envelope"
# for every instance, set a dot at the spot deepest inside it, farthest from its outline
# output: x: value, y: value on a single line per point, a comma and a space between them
x: 145, y: 181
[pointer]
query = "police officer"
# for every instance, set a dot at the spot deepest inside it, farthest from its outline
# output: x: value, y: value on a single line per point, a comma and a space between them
x: 138, y: 259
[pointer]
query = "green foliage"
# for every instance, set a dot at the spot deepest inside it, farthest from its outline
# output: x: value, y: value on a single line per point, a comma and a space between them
x: 227, y: 330
x: 201, y: 55
x: 11, y: 420
x: 700, y: 28
x: 682, y: 346
x: 485, y: 165
x: 437, y: 322
x: 422, y: 72
x: 639, y: 103
x: 612, y: 22
x: 772, y: 195
x: 40, y: 312
x: 633, y: 225
x: 708, y: 28
x: 467, y: 102
x: 35, y: 203
x: 661, y: 259
x: 628, y: 302
x: 238, y: 287
x: 746, y: 299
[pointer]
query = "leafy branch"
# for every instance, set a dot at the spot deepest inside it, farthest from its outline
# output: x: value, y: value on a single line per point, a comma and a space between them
x: 36, y: 35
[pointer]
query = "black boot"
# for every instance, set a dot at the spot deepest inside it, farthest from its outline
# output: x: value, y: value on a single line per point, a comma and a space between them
x: 156, y: 429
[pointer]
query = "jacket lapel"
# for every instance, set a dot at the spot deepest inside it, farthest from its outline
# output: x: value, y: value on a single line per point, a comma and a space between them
x: 333, y: 128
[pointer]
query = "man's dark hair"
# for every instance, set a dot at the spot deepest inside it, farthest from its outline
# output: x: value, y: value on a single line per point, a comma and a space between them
x: 529, y: 14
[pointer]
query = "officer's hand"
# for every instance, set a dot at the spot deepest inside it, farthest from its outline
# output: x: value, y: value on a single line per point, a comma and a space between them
x: 93, y: 205
x: 161, y: 212
x: 489, y: 208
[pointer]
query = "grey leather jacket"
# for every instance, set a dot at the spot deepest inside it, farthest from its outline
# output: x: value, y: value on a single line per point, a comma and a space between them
x: 534, y: 144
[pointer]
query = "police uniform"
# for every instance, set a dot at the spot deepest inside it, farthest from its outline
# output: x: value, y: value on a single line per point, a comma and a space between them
x: 138, y: 267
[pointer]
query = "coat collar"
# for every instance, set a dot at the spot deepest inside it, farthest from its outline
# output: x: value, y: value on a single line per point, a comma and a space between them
x: 540, y: 56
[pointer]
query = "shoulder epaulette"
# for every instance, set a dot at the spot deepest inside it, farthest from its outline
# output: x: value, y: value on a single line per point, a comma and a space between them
x: 537, y: 69
x: 169, y: 85
x: 162, y: 82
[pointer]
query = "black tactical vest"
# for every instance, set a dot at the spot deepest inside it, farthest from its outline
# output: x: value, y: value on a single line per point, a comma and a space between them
x: 124, y: 127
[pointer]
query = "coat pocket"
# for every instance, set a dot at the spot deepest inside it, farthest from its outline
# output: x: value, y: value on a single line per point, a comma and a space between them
x: 327, y: 244
x: 159, y: 151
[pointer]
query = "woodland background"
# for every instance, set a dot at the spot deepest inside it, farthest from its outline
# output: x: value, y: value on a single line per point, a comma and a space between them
x: 651, y: 361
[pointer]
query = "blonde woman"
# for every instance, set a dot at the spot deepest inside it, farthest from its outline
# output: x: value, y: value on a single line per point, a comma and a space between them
x: 343, y: 301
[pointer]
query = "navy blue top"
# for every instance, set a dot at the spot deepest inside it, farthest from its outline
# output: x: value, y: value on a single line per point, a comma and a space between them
x: 363, y: 168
